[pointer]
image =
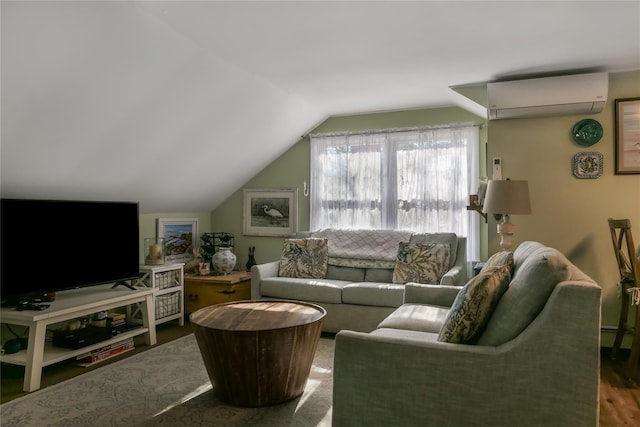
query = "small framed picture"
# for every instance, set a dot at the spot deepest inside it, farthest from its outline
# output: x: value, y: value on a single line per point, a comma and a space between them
x: 270, y: 212
x: 627, y: 135
x: 180, y: 238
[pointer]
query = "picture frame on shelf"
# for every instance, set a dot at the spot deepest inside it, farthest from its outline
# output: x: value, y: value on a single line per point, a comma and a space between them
x: 482, y: 191
x: 270, y: 212
x: 180, y: 238
x: 627, y: 143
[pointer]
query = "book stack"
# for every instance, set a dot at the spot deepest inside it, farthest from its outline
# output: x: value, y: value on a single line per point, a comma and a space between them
x: 116, y: 319
x: 103, y: 353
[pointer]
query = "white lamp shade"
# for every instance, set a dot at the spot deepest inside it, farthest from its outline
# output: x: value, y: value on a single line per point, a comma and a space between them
x: 508, y: 197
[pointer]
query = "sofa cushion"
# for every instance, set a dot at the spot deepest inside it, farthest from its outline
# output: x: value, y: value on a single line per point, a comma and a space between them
x: 499, y: 259
x: 526, y: 295
x: 349, y: 274
x: 474, y: 304
x: 361, y: 263
x: 384, y: 275
x: 318, y: 290
x: 421, y: 263
x: 416, y: 317
x: 305, y: 258
x: 406, y: 334
x: 373, y: 293
x: 450, y: 238
x: 523, y: 251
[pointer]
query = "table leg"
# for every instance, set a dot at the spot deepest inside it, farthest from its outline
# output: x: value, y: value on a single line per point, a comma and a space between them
x: 622, y: 321
x: 35, y: 355
x: 149, y: 320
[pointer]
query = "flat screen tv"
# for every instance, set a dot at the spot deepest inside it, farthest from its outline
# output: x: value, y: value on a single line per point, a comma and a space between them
x: 53, y: 245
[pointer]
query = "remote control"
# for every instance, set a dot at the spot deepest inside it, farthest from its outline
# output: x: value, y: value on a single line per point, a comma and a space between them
x: 31, y: 306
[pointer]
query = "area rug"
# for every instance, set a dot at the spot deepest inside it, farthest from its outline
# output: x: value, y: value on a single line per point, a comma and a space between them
x: 166, y: 386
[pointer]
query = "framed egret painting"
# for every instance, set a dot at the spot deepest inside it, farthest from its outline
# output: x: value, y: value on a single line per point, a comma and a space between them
x: 270, y: 212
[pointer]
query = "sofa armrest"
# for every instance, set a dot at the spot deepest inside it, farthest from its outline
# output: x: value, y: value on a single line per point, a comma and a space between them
x: 440, y: 295
x: 259, y: 272
x: 455, y: 276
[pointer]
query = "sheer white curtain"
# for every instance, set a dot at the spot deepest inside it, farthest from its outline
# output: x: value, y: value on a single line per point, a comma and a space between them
x: 410, y: 179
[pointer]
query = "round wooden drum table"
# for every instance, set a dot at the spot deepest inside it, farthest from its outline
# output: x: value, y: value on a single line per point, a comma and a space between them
x: 258, y: 353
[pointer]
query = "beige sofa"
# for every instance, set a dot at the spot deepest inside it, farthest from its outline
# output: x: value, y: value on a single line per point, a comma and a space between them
x: 535, y: 363
x: 357, y: 291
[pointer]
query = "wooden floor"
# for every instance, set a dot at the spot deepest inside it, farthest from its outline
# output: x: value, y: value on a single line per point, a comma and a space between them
x: 619, y: 398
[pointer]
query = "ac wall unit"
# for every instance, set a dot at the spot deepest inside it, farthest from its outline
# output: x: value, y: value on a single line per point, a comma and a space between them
x: 548, y: 96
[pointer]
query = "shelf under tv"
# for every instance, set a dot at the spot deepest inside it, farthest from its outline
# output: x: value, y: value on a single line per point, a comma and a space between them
x: 70, y: 305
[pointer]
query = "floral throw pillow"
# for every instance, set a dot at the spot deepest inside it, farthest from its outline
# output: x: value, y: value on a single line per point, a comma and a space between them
x: 499, y: 259
x: 421, y: 263
x: 304, y: 258
x: 473, y: 306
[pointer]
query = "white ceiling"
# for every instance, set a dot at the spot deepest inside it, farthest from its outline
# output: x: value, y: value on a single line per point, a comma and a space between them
x: 178, y: 104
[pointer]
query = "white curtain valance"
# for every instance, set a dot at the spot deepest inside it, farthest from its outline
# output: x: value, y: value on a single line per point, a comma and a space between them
x: 394, y: 130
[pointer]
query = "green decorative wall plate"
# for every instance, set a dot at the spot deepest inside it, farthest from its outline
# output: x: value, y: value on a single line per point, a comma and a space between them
x: 587, y: 132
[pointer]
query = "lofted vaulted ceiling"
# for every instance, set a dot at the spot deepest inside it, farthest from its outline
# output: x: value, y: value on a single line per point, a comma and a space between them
x: 178, y: 104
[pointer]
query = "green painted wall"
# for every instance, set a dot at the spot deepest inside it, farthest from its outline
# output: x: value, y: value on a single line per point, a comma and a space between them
x: 571, y: 214
x: 292, y: 169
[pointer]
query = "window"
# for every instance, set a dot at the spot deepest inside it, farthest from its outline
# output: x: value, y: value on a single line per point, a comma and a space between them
x: 409, y: 179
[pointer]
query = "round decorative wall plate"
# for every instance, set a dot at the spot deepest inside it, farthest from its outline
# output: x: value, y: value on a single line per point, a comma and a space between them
x: 587, y: 132
x: 587, y: 165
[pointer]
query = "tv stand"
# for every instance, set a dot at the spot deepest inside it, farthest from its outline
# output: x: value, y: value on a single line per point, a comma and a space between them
x: 123, y: 283
x: 70, y: 305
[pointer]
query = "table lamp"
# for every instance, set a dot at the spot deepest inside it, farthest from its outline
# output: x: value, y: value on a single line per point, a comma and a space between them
x: 507, y: 197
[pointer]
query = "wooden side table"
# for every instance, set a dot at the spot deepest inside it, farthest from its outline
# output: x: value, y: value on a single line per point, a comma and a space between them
x: 203, y: 291
x: 258, y: 353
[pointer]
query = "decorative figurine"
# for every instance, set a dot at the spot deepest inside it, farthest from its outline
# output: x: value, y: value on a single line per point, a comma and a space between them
x: 193, y: 266
x: 252, y: 260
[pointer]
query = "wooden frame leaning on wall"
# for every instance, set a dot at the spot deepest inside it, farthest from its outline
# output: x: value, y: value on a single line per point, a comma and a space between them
x: 180, y: 238
x: 627, y: 142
